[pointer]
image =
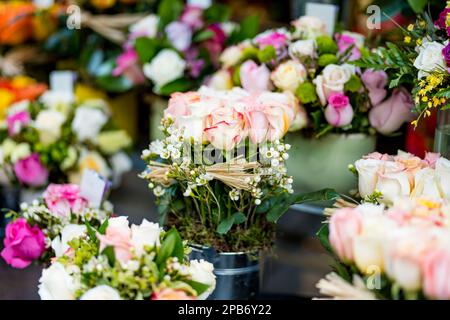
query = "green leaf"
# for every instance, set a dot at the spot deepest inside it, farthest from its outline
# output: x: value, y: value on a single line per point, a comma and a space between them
x: 197, y: 286
x: 323, y: 235
x: 283, y: 205
x: 91, y: 231
x: 418, y: 5
x: 217, y: 13
x: 114, y: 84
x: 249, y: 28
x: 266, y: 54
x: 103, y: 227
x: 168, y: 11
x: 172, y: 246
x: 225, y: 225
x: 179, y: 85
x: 239, y: 218
x: 203, y: 35
x: 353, y: 84
x: 146, y: 48
x: 110, y: 254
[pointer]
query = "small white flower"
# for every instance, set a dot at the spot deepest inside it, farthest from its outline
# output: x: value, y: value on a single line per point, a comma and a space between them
x: 275, y: 162
x: 159, y: 191
x: 257, y: 202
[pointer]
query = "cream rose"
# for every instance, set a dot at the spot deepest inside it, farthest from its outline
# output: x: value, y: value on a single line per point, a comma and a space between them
x: 21, y: 151
x: 430, y: 58
x: 303, y: 48
x: 309, y: 27
x: 289, y: 75
x: 426, y: 183
x: 60, y: 244
x: 88, y: 123
x: 393, y: 182
x: 231, y: 56
x: 221, y: 80
x: 332, y: 80
x: 145, y: 235
x: 48, y: 123
x: 368, y: 175
x: 58, y: 101
x: 56, y: 283
x: 202, y: 271
x: 102, y: 292
x: 146, y: 27
x: 166, y: 67
x: 443, y: 175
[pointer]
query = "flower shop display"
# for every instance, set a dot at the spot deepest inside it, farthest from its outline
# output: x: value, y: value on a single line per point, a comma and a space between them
x: 219, y: 176
x: 421, y: 62
x: 341, y: 107
x: 119, y: 262
x: 383, y: 178
x: 43, y: 229
x: 397, y: 253
x: 55, y: 139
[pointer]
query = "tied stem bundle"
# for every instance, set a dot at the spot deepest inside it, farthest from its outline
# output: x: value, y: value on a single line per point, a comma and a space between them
x: 12, y: 63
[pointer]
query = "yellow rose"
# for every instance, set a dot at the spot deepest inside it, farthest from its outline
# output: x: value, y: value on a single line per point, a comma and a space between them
x: 6, y: 99
x: 111, y: 142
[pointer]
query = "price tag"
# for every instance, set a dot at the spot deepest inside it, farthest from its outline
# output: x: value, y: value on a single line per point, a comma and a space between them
x: 325, y: 12
x: 62, y: 81
x: 93, y: 187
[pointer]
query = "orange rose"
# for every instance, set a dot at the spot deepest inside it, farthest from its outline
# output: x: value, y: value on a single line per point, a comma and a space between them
x: 15, y: 22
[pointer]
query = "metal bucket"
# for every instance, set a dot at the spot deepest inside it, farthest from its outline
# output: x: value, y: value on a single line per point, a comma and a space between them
x: 237, y: 273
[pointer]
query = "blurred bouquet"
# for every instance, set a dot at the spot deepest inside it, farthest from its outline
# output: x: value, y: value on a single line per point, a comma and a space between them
x: 221, y: 167
x: 383, y: 178
x: 180, y: 45
x: 397, y: 253
x: 42, y: 229
x: 422, y: 61
x: 334, y: 95
x: 118, y: 262
x: 55, y: 140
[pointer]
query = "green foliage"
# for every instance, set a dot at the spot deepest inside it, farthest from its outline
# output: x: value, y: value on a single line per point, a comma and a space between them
x: 203, y: 35
x: 354, y: 84
x: 323, y: 235
x: 146, y: 48
x: 266, y: 54
x: 326, y: 44
x: 248, y: 29
x: 418, y: 5
x: 110, y: 254
x: 326, y: 59
x: 172, y: 246
x: 168, y: 11
x: 226, y: 224
x: 236, y: 77
x: 217, y: 13
x: 306, y: 92
x: 249, y: 53
x: 178, y: 85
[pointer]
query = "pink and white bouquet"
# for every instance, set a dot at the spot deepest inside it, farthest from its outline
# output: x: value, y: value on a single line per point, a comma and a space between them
x: 179, y: 46
x: 396, y: 253
x: 43, y: 228
x: 317, y: 68
x: 119, y: 262
x: 383, y: 178
x: 55, y: 139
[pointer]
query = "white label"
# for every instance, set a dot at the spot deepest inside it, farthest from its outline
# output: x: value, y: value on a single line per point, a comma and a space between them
x: 62, y: 81
x: 204, y: 4
x: 92, y: 188
x: 325, y: 12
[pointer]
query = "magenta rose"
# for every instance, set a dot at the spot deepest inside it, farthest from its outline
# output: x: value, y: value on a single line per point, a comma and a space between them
x: 17, y: 121
x: 255, y: 78
x: 274, y: 39
x: 375, y: 82
x: 446, y: 54
x: 389, y: 116
x: 441, y: 21
x: 344, y: 42
x: 128, y: 65
x: 63, y: 199
x: 30, y: 171
x: 216, y: 43
x: 23, y: 244
x: 339, y: 112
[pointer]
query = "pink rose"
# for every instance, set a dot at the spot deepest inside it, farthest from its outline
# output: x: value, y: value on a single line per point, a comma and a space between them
x: 436, y: 274
x: 17, y: 121
x: 179, y: 104
x: 257, y: 124
x: 64, y: 199
x: 339, y: 112
x: 170, y: 294
x: 30, y: 171
x: 23, y: 244
x: 275, y: 39
x: 389, y: 116
x: 128, y: 65
x: 192, y: 16
x: 224, y: 128
x: 431, y: 158
x: 379, y: 156
x: 375, y: 82
x: 345, y: 225
x: 255, y: 78
x: 344, y: 42
x: 120, y: 239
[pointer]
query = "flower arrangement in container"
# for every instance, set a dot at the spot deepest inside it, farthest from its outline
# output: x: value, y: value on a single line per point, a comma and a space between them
x: 396, y: 253
x: 343, y: 105
x: 55, y: 139
x: 117, y: 262
x: 219, y: 173
x: 43, y: 229
x: 382, y: 178
x: 179, y: 46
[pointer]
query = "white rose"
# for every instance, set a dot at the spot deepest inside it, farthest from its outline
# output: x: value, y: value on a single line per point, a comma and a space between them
x: 430, y: 58
x: 221, y: 80
x: 167, y: 66
x: 204, y: 4
x: 120, y: 222
x: 289, y: 75
x: 60, y: 244
x: 309, y: 27
x: 443, y: 175
x: 368, y: 175
x: 56, y: 283
x: 48, y: 123
x: 121, y: 163
x: 145, y: 235
x: 102, y: 292
x: 88, y: 122
x: 426, y: 183
x: 231, y: 56
x: 19, y: 107
x: 58, y: 100
x: 21, y: 151
x: 193, y: 125
x: 202, y: 271
x: 303, y: 48
x: 146, y: 27
x: 228, y: 27
x: 393, y: 182
x: 8, y: 147
x: 332, y: 80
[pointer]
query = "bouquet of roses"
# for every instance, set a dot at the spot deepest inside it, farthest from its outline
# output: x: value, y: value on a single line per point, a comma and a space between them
x: 56, y: 139
x: 422, y: 62
x: 219, y: 173
x: 335, y: 96
x: 396, y: 253
x: 382, y: 178
x: 43, y: 228
x: 118, y: 262
x: 180, y: 45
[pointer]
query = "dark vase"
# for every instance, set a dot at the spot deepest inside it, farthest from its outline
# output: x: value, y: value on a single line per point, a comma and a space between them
x: 9, y: 200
